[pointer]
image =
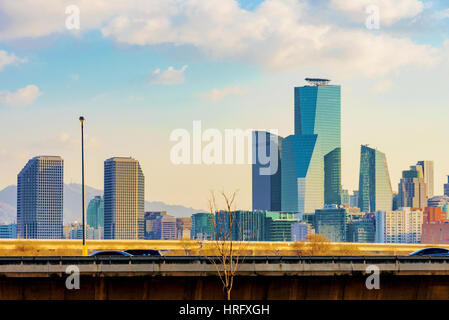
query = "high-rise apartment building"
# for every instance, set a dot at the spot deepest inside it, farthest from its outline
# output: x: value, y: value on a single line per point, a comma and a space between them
x: 40, y: 187
x: 311, y: 158
x: 428, y: 175
x: 375, y: 193
x: 95, y: 216
x: 168, y: 227
x: 412, y: 190
x: 124, y: 190
x: 266, y: 171
x: 400, y: 226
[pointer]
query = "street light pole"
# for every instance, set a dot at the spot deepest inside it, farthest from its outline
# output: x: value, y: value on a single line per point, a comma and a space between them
x: 85, y: 250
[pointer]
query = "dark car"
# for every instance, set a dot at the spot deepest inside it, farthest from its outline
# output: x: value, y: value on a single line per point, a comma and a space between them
x: 111, y: 253
x: 431, y: 252
x: 143, y: 252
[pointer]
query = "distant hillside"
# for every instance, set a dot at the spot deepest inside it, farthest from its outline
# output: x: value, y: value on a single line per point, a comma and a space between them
x: 72, y: 204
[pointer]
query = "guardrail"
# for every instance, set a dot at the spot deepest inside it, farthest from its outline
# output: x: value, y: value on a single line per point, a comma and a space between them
x: 208, y: 260
x: 38, y: 267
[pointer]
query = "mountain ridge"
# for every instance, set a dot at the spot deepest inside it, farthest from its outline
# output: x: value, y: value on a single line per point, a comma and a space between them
x: 72, y: 204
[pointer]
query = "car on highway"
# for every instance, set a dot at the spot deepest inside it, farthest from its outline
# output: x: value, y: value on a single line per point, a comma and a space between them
x: 440, y: 252
x: 143, y: 252
x: 111, y: 253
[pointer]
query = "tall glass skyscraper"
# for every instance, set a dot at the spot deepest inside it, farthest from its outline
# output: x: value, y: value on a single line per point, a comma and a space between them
x: 412, y: 190
x: 40, y: 199
x: 427, y: 166
x: 266, y: 171
x: 124, y: 191
x: 311, y: 158
x: 375, y: 193
x: 95, y: 216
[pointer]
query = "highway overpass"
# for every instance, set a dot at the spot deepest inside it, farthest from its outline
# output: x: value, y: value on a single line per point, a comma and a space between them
x: 196, y: 278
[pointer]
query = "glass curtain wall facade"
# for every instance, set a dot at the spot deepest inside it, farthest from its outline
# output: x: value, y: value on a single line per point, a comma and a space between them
x: 427, y: 166
x: 124, y: 189
x: 331, y: 223
x: 311, y: 158
x: 40, y: 187
x: 202, y: 226
x: 95, y: 212
x: 375, y: 193
x: 412, y: 188
x: 266, y: 171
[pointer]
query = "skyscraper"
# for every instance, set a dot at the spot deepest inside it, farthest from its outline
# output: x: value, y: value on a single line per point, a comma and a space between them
x: 362, y: 230
x: 345, y: 197
x: 8, y: 231
x: 311, y: 158
x: 40, y: 199
x: 412, y: 188
x: 152, y: 225
x: 428, y: 174
x: 375, y: 193
x: 331, y: 222
x: 124, y: 190
x: 95, y: 216
x: 354, y: 199
x: 202, y: 226
x: 266, y: 171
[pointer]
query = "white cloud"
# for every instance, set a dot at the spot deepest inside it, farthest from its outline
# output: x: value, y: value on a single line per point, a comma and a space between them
x: 168, y: 77
x: 382, y: 86
x: 391, y: 11
x: 64, y: 137
x: 9, y: 58
x: 66, y: 140
x: 443, y: 14
x: 278, y: 34
x: 22, y: 97
x: 219, y: 94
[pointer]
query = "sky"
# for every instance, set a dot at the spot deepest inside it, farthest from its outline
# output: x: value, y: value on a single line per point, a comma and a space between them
x: 137, y: 70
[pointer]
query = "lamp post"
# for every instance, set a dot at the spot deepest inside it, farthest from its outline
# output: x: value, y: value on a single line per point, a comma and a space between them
x: 85, y: 250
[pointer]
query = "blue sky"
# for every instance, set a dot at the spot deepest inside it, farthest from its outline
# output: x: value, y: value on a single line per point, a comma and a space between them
x: 228, y: 64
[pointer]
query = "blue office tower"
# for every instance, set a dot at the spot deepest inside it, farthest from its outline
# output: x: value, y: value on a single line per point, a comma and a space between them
x: 311, y: 158
x: 40, y: 199
x: 266, y: 171
x: 375, y: 193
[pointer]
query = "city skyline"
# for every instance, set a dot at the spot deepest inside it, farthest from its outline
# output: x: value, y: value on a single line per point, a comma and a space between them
x: 135, y: 92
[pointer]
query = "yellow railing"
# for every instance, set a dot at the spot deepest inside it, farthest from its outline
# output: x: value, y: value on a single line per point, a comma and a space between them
x: 14, y: 247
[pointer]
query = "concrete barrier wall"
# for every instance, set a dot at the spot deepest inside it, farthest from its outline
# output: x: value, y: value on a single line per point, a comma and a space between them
x: 245, y: 288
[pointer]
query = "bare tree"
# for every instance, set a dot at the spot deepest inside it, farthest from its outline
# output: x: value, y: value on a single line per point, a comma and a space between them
x: 227, y: 232
x: 318, y: 245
